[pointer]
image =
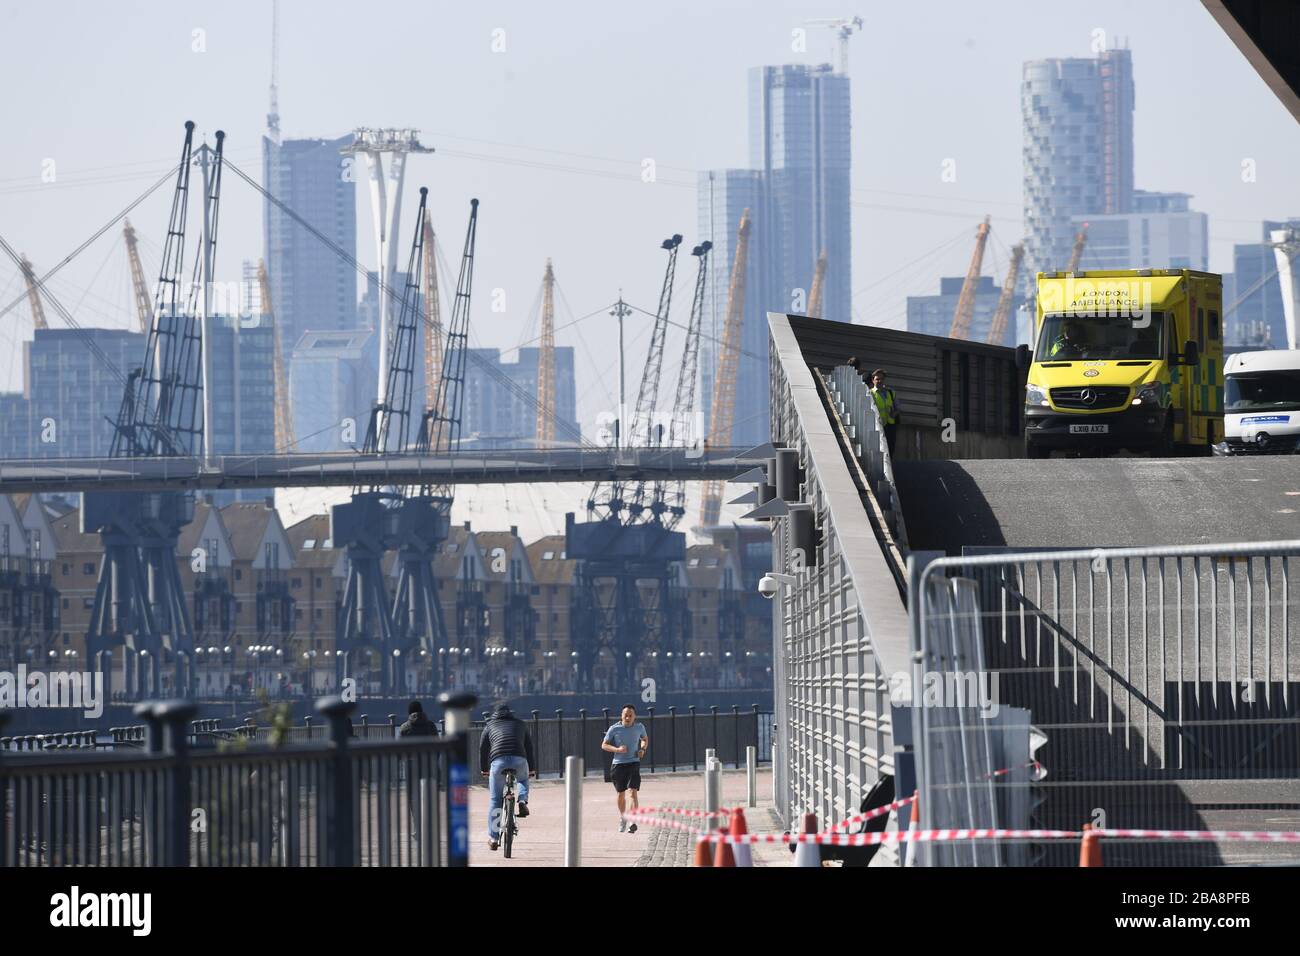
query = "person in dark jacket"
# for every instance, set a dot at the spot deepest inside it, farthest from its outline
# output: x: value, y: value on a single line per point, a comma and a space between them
x: 417, y: 723
x: 505, y: 744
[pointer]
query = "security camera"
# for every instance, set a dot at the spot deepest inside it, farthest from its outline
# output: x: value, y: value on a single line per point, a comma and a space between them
x: 768, y: 586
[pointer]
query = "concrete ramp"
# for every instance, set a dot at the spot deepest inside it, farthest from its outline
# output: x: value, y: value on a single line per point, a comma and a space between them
x: 1106, y: 502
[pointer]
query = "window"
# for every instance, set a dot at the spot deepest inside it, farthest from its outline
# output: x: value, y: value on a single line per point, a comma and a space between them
x: 295, y: 582
x: 548, y: 555
x: 1214, y: 325
x: 67, y: 568
x: 239, y: 575
x: 88, y: 568
x: 318, y: 580
x: 309, y: 544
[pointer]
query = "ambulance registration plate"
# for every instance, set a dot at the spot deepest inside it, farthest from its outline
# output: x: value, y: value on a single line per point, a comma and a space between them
x: 1089, y: 429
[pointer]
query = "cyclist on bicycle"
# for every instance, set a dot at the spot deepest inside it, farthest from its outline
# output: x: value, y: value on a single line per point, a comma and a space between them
x: 506, y: 744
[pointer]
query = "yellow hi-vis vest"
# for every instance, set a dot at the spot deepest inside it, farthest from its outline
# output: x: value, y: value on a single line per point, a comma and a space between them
x: 884, y: 398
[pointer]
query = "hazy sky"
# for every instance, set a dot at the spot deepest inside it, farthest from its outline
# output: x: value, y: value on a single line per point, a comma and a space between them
x: 550, y: 134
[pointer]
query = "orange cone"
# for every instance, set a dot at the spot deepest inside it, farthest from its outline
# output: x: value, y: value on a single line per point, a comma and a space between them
x: 808, y: 854
x: 744, y: 856
x: 724, y: 855
x: 703, y: 853
x: 1090, y: 848
x: 909, y: 858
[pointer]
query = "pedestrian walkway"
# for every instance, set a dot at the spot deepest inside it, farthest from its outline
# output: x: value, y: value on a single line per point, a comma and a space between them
x: 540, y: 841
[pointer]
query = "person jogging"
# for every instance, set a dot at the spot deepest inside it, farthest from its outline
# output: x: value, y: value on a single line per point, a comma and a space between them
x: 627, y: 741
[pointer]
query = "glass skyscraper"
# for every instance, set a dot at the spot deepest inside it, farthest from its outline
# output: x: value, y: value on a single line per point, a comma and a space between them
x: 797, y: 191
x: 1078, y: 150
x: 311, y: 286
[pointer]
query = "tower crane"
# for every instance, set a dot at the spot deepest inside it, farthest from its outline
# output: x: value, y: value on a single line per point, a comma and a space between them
x: 33, y: 295
x: 998, y: 325
x: 818, y: 287
x: 843, y: 27
x: 1077, y: 252
x: 284, y: 433
x: 143, y: 304
x: 545, y: 430
x: 723, y: 410
x: 965, y: 311
x: 433, y: 320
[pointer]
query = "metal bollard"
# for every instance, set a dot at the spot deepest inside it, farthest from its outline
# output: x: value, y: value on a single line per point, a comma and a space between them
x: 456, y: 708
x: 574, y: 771
x: 751, y: 776
x: 712, y: 793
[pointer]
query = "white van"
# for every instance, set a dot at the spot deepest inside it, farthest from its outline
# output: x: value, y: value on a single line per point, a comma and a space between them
x: 1261, y: 403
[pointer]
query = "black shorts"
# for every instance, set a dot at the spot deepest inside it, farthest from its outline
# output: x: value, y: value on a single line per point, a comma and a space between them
x: 626, y: 776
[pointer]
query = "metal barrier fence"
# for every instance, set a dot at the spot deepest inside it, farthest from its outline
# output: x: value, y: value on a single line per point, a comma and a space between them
x: 1162, y: 684
x: 336, y: 803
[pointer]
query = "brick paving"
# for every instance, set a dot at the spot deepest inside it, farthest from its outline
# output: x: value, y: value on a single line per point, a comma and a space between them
x: 540, y: 841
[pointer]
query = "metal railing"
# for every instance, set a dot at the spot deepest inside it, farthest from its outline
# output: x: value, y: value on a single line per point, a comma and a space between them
x: 1162, y: 684
x: 839, y: 626
x: 333, y: 803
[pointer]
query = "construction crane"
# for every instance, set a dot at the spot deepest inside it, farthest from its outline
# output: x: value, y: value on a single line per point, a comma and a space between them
x: 143, y: 303
x: 818, y: 286
x: 965, y: 311
x: 433, y: 320
x: 284, y: 434
x: 1077, y: 252
x: 33, y: 295
x: 843, y: 27
x: 723, y: 411
x: 998, y: 326
x: 545, y: 431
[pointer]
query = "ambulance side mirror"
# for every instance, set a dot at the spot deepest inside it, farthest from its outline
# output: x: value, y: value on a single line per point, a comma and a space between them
x: 1191, y: 354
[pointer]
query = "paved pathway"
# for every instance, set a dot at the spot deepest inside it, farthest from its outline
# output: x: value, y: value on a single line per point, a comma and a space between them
x: 540, y: 841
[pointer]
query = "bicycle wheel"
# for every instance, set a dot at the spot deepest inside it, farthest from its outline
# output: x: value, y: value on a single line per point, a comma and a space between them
x: 508, y: 821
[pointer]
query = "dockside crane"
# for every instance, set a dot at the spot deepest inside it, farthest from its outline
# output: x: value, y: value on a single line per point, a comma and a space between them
x: 608, y: 500
x: 1002, y: 314
x: 369, y: 525
x: 140, y: 604
x: 33, y: 294
x: 424, y: 521
x: 545, y: 430
x: 965, y: 311
x: 818, y: 288
x: 284, y: 433
x: 623, y: 542
x: 140, y: 288
x: 723, y: 409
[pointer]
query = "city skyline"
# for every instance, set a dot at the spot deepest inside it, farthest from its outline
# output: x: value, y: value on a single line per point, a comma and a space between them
x: 550, y: 196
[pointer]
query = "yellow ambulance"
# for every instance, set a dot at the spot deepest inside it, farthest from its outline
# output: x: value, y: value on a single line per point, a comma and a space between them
x: 1126, y: 359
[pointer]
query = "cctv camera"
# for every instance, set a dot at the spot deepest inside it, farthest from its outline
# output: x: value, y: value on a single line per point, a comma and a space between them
x: 768, y: 586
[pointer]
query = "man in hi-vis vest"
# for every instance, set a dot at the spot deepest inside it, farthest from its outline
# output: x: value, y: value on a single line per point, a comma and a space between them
x: 887, y: 404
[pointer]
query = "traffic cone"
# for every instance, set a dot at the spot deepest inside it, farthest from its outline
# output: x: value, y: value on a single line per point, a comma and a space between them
x: 913, y: 826
x: 808, y: 854
x: 1090, y: 848
x: 703, y: 852
x: 724, y: 855
x: 744, y: 856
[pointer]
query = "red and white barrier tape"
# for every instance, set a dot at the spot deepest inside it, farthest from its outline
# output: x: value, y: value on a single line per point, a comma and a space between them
x: 899, y: 804
x: 924, y: 836
x: 679, y: 811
